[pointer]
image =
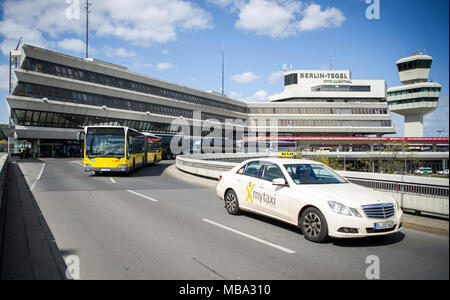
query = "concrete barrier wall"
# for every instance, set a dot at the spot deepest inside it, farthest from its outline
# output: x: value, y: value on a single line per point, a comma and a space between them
x: 3, y: 172
x: 423, y: 194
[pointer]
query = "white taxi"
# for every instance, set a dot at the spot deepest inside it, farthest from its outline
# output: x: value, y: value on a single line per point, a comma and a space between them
x: 311, y: 196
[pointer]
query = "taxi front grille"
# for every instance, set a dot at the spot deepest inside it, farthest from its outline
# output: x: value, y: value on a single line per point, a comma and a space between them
x: 379, y: 211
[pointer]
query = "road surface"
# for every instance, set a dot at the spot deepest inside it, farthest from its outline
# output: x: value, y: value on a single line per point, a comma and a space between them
x: 149, y: 225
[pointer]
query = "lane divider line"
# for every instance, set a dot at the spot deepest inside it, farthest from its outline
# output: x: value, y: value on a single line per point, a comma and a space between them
x: 250, y: 237
x: 39, y: 177
x: 143, y: 196
x: 112, y: 180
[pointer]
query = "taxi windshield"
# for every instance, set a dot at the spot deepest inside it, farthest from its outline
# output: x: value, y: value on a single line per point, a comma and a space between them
x: 313, y: 174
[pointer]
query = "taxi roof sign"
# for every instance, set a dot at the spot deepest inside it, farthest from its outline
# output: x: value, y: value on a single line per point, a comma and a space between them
x: 286, y: 154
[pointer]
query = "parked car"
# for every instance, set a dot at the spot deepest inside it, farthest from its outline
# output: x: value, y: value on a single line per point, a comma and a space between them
x: 424, y: 171
x: 443, y: 172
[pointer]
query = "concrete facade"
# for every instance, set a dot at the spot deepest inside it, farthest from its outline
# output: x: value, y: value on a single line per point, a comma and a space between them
x: 53, y: 95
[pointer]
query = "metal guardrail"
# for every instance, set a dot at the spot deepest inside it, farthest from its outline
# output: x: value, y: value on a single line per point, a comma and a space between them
x: 406, y: 188
x: 411, y: 189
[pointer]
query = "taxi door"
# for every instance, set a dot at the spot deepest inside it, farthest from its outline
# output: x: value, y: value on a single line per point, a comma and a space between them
x: 249, y: 185
x: 277, y: 199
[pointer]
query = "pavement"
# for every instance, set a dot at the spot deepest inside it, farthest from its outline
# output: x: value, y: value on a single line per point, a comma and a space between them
x: 430, y: 223
x: 28, y: 249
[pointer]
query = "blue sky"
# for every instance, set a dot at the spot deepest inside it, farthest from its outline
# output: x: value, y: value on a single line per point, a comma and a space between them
x: 181, y: 41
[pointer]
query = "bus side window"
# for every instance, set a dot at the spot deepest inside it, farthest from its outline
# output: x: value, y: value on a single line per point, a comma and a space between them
x: 129, y: 146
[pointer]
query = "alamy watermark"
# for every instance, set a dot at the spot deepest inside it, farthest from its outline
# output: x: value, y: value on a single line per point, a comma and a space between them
x: 73, y: 267
x: 373, y: 270
x: 373, y: 10
x: 73, y: 10
x: 213, y: 136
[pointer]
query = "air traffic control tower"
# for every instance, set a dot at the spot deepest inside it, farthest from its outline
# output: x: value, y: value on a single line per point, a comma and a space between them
x: 417, y: 96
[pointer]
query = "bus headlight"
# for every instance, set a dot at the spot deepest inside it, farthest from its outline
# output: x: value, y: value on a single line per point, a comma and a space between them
x: 339, y: 208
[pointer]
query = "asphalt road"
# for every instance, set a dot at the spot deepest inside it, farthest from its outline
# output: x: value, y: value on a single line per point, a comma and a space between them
x: 149, y: 225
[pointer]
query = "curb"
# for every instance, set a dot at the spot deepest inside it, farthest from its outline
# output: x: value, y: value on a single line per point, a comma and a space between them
x: 187, y: 177
x: 425, y: 228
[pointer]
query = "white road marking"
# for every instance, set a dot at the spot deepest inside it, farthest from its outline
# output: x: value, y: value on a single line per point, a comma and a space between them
x: 143, y: 196
x: 112, y: 180
x: 39, y: 177
x: 250, y: 237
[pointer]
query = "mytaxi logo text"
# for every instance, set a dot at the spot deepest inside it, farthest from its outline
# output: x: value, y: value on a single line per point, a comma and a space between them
x: 249, y: 188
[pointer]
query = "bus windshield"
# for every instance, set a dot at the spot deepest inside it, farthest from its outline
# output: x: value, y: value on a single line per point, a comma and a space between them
x: 105, y: 142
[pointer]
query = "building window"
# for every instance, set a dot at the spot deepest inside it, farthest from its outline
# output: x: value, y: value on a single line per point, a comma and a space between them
x: 125, y: 84
x: 340, y: 88
x: 291, y: 79
x: 415, y: 64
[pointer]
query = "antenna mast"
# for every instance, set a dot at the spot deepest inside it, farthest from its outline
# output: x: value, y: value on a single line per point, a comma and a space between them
x: 223, y: 68
x: 87, y: 26
x: 18, y: 44
x: 331, y: 60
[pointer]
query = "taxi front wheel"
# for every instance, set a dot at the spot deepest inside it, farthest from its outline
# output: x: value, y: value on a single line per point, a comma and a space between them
x: 314, y: 225
x: 231, y: 203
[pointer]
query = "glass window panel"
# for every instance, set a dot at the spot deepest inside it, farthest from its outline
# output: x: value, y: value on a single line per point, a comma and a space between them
x: 35, y: 119
x: 70, y: 72
x: 27, y: 118
x: 56, y: 119
x: 42, y: 118
x: 49, y: 119
x: 20, y: 114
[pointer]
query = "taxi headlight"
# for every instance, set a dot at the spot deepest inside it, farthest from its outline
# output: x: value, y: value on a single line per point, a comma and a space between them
x: 339, y: 208
x: 396, y: 205
x: 355, y: 212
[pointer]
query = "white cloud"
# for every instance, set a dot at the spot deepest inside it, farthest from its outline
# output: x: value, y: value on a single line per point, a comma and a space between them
x: 276, y: 76
x: 74, y: 45
x: 315, y: 18
x: 245, y: 77
x: 165, y: 52
x: 164, y: 66
x: 281, y: 18
x: 270, y: 18
x: 4, y: 77
x: 118, y: 52
x: 235, y: 95
x: 143, y: 22
x: 33, y: 20
x: 259, y: 96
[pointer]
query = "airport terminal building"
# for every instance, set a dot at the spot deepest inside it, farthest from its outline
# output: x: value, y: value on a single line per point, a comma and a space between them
x: 52, y: 96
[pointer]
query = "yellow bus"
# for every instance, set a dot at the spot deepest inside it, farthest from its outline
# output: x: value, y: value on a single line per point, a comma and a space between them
x: 119, y: 149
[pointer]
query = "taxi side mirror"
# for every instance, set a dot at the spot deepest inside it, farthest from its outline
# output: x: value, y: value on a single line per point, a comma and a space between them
x: 279, y: 182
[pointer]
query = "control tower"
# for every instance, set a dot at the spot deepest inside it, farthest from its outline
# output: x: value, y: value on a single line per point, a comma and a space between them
x: 417, y: 96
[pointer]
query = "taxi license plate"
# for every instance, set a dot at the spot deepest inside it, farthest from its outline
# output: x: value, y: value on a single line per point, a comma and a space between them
x: 105, y: 170
x: 384, y: 225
